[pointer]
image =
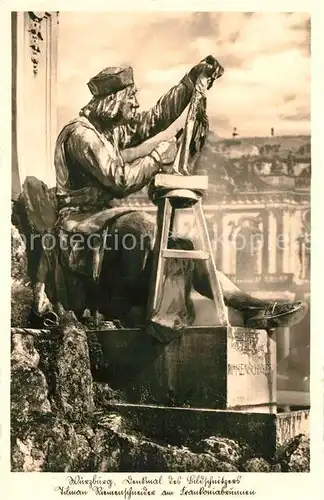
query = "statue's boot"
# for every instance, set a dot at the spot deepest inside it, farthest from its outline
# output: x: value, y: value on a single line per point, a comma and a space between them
x: 275, y: 315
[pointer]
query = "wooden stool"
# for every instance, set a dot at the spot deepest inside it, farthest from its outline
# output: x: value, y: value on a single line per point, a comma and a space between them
x: 177, y: 192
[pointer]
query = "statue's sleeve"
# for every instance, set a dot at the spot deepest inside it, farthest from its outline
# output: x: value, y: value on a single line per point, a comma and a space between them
x: 167, y: 109
x: 99, y: 159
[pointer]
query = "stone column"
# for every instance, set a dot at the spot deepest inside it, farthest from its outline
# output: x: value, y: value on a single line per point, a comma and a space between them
x: 283, y: 342
x: 272, y: 243
x: 265, y: 249
x: 229, y: 250
x: 15, y: 180
x: 219, y: 240
x: 286, y: 221
x: 280, y: 240
x: 294, y: 249
x: 35, y: 111
x: 286, y: 341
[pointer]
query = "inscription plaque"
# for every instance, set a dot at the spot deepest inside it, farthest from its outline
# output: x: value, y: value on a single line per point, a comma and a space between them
x: 251, y: 369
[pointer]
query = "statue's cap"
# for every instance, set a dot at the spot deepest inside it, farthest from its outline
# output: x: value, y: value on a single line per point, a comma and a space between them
x: 110, y: 80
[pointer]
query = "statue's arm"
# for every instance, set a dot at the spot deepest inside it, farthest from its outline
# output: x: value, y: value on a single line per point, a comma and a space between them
x: 149, y: 123
x: 99, y: 159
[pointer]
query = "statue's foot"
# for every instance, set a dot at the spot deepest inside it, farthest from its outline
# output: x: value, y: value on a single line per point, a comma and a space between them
x: 276, y: 315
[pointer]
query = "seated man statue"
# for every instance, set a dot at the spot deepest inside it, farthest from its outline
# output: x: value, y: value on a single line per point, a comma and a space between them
x: 93, y: 168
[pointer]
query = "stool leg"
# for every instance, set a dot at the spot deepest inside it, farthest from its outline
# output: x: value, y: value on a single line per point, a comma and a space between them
x: 164, y: 217
x: 210, y: 263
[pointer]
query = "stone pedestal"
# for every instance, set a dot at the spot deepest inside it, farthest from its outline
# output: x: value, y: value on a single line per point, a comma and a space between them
x: 208, y: 367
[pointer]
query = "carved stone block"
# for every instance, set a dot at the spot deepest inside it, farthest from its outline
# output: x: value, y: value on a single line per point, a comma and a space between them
x: 207, y: 367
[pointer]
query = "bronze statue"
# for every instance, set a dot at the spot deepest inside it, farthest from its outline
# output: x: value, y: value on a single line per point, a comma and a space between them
x: 92, y: 171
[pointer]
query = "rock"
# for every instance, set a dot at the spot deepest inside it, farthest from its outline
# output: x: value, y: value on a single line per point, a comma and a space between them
x: 294, y: 455
x: 21, y: 303
x: 68, y: 436
x: 112, y: 437
x: 95, y: 351
x: 21, y: 290
x: 51, y: 446
x: 19, y: 264
x: 184, y: 460
x: 225, y: 449
x: 104, y: 395
x: 29, y: 391
x: 68, y: 450
x: 63, y: 422
x: 276, y: 468
x: 118, y: 448
x: 29, y: 404
x: 48, y: 347
x: 256, y: 464
x: 106, y: 451
x: 30, y: 444
x: 74, y: 392
x: 96, y: 321
x: 300, y: 458
x: 113, y: 422
x: 147, y: 456
x: 26, y: 456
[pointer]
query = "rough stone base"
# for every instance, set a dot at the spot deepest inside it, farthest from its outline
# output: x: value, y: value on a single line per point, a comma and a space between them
x: 264, y: 433
x: 63, y: 421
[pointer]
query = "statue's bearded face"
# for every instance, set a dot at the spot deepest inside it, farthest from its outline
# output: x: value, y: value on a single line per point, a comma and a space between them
x: 128, y: 107
x: 115, y: 109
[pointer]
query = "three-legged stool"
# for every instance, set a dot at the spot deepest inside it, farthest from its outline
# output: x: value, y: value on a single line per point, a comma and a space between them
x: 178, y: 192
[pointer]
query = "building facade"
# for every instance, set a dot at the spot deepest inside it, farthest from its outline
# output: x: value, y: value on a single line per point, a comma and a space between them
x: 258, y: 213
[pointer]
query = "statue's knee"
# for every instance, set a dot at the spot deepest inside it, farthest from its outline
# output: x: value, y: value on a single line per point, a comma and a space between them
x: 136, y: 223
x: 134, y: 233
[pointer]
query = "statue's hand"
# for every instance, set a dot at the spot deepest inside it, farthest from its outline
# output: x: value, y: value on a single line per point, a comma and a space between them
x: 208, y: 67
x: 165, y: 152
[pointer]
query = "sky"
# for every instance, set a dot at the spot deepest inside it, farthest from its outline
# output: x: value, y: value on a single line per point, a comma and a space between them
x: 266, y: 57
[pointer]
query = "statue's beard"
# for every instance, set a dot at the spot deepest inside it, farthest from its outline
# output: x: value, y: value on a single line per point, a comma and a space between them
x: 124, y: 117
x: 106, y: 122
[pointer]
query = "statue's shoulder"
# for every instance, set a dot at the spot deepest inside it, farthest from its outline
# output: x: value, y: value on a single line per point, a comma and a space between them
x: 81, y: 129
x: 78, y: 125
